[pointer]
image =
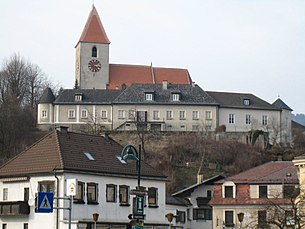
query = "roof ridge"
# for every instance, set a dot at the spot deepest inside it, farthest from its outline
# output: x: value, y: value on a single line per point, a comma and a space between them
x: 147, y: 66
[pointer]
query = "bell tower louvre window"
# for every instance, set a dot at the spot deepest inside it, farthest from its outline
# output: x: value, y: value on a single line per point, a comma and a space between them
x: 94, y: 51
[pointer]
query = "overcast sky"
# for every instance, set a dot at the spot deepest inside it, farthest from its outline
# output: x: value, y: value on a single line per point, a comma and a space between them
x: 252, y: 46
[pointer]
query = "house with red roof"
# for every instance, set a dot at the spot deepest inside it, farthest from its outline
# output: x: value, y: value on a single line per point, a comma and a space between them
x: 261, y: 197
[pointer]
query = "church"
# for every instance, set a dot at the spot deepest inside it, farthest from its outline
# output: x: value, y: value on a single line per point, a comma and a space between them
x: 122, y: 97
x: 93, y: 70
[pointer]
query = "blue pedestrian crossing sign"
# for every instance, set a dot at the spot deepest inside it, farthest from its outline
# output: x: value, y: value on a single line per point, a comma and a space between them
x: 45, y: 202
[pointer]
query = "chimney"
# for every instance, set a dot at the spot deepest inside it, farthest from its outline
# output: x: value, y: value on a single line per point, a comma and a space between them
x: 164, y: 84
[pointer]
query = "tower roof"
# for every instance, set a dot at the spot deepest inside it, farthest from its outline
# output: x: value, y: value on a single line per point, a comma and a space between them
x: 94, y: 30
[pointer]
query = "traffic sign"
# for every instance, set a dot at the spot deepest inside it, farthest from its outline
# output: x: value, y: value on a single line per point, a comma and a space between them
x: 136, y: 216
x: 138, y: 192
x: 44, y: 202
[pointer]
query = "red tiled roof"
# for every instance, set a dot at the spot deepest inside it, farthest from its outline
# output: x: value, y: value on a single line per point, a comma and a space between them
x: 94, y: 30
x: 271, y: 172
x: 128, y: 74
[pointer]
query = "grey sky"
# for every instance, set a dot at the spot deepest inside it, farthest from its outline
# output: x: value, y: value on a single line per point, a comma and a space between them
x: 255, y: 46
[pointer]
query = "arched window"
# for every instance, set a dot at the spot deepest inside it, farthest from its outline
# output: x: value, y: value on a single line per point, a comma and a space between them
x: 94, y: 52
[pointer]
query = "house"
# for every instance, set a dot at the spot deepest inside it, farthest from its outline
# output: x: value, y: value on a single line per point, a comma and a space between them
x: 244, y: 112
x: 105, y: 184
x: 177, y: 212
x: 261, y: 197
x: 199, y: 212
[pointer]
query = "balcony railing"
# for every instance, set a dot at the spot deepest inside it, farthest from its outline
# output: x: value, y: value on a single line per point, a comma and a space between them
x: 14, y: 208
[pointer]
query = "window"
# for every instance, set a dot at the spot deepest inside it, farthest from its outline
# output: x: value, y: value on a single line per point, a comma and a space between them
x: 46, y: 186
x: 5, y: 194
x: 152, y: 196
x: 176, y: 97
x: 231, y: 118
x: 180, y: 216
x: 103, y: 114
x: 246, y: 102
x: 121, y: 114
x: 141, y: 116
x: 229, y: 218
x: 195, y: 115
x: 26, y: 194
x: 228, y: 191
x: 92, y: 193
x: 79, y: 198
x: 124, y: 194
x: 289, y: 217
x: 195, y: 128
x: 71, y: 113
x: 84, y: 113
x: 169, y: 115
x: 156, y: 115
x: 94, y: 51
x: 263, y: 191
x: 44, y: 114
x: 181, y: 115
x: 262, y: 217
x: 89, y: 156
x: 25, y: 226
x: 290, y: 191
x: 248, y: 119
x: 131, y: 115
x: 111, y: 193
x: 209, y: 193
x: 78, y: 97
x: 4, y: 226
x: 264, y: 120
x: 148, y: 96
x: 202, y: 214
x: 208, y: 115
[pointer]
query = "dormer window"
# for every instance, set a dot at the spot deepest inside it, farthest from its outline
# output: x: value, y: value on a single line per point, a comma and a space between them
x: 78, y: 97
x: 228, y: 190
x: 149, y: 96
x: 94, y: 52
x: 176, y: 96
x: 246, y: 102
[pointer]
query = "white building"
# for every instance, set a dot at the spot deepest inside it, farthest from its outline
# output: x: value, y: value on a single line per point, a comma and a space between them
x: 104, y: 184
x: 194, y: 212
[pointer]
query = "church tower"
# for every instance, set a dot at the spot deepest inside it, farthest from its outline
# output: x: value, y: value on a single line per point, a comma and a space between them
x: 92, y: 55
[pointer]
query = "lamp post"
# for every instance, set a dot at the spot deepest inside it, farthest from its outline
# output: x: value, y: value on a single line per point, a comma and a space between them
x: 129, y: 152
x: 95, y: 218
x: 241, y: 218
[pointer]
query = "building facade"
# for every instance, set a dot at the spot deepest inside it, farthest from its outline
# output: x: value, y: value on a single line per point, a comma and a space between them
x: 104, y: 184
x: 262, y: 197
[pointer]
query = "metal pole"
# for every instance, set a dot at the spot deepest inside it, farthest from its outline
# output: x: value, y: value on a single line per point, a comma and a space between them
x: 94, y: 224
x: 139, y: 166
x: 70, y: 211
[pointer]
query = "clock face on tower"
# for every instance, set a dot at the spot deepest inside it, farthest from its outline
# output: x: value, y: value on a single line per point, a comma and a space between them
x: 94, y: 65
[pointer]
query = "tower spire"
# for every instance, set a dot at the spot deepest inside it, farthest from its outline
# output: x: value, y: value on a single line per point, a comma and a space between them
x: 94, y: 30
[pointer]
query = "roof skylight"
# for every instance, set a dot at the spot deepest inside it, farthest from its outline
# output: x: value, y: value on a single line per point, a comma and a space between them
x: 89, y: 156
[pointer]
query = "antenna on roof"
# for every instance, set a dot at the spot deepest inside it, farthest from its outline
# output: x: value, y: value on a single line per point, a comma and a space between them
x: 152, y: 73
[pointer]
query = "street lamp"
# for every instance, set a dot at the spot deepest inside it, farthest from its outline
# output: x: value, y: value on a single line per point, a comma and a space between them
x: 129, y: 152
x: 240, y: 217
x: 95, y: 218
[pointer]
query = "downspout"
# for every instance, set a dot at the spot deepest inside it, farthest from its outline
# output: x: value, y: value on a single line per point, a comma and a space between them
x: 57, y: 200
